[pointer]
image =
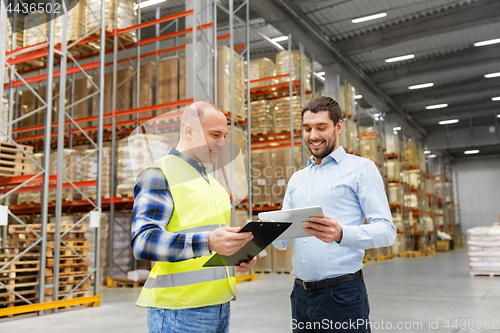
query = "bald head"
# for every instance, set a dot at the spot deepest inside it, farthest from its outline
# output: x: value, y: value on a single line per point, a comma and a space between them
x: 196, y: 113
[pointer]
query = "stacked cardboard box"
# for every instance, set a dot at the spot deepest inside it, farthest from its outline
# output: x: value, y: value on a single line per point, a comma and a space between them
x: 412, y: 154
x: 391, y: 144
x: 224, y: 82
x: 171, y: 81
x: 283, y: 60
x: 75, y: 24
x: 259, y: 69
x: 262, y: 177
x: 282, y: 170
x: 135, y: 153
x: 282, y: 114
x: 125, y: 14
x: 392, y: 170
x: 90, y: 172
x: 262, y: 117
x: 394, y: 194
x: 19, y: 42
x: 34, y: 35
x: 368, y: 147
x: 147, y: 84
x: 81, y: 110
x: 282, y: 259
x: 74, y: 174
x: 484, y: 250
x: 347, y: 102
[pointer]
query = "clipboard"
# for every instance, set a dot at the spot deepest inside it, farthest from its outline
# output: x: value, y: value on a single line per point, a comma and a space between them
x: 296, y: 215
x: 264, y: 233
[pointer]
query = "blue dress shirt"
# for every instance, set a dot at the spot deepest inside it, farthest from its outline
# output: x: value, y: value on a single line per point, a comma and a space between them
x: 348, y: 188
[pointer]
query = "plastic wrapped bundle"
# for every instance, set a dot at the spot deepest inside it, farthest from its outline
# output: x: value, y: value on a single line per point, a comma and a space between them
x: 224, y: 82
x: 282, y: 114
x: 259, y: 69
x: 90, y: 172
x: 134, y: 155
x: 125, y: 14
x: 32, y: 196
x: 19, y: 36
x: 75, y: 24
x: 262, y: 117
x: 33, y: 35
x: 283, y: 60
x: 484, y: 250
x: 74, y: 174
x: 121, y: 245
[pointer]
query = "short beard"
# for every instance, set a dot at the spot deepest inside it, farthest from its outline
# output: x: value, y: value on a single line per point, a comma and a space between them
x: 327, y: 151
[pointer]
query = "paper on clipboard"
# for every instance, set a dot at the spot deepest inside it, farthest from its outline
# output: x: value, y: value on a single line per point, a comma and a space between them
x: 296, y: 216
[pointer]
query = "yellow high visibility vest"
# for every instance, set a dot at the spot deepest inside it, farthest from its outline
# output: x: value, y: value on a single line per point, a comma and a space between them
x: 198, y: 206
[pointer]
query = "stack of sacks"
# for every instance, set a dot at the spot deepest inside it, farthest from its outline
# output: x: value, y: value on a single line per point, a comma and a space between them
x: 262, y: 115
x: 484, y: 250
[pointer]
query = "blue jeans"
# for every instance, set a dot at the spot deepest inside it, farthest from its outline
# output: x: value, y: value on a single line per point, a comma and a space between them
x: 207, y: 319
x: 343, y: 308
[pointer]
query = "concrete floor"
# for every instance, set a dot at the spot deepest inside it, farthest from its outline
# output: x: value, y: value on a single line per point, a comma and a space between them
x: 411, y: 292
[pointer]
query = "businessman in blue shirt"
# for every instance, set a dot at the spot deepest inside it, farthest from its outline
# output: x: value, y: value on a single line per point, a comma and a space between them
x: 329, y: 293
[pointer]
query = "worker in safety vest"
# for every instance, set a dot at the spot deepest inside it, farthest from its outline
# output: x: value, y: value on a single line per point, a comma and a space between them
x: 181, y: 215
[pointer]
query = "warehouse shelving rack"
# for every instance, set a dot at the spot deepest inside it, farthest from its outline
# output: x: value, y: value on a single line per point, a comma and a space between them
x: 14, y: 184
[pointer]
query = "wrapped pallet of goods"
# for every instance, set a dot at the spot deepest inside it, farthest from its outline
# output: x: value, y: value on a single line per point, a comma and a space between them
x: 484, y: 250
x: 262, y: 177
x: 347, y: 102
x: 146, y: 88
x: 224, y: 82
x: 283, y: 61
x: 19, y: 42
x: 262, y: 117
x: 368, y: 145
x: 126, y: 16
x: 82, y: 88
x: 394, y: 194
x: 412, y: 154
x: 125, y: 77
x: 124, y: 257
x: 71, y: 157
x: 282, y: 170
x: 33, y: 35
x: 90, y: 172
x: 134, y: 155
x: 392, y: 170
x: 32, y: 196
x: 169, y: 81
x: 260, y: 69
x: 391, y: 144
x: 282, y: 114
x: 76, y: 26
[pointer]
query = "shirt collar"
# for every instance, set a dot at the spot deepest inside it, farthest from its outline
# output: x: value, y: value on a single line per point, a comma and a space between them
x: 337, y: 155
x: 195, y: 164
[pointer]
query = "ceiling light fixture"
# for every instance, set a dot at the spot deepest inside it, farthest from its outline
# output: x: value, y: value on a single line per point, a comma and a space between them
x: 397, y: 128
x: 470, y: 152
x: 150, y: 3
x: 368, y: 18
x: 420, y: 86
x: 487, y: 42
x: 436, y: 106
x: 427, y: 152
x: 494, y: 99
x: 431, y: 156
x: 447, y: 122
x: 320, y: 76
x: 401, y: 58
x: 489, y: 76
x: 358, y: 97
x: 279, y: 39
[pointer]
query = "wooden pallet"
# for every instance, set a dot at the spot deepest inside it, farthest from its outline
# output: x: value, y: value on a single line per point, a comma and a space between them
x: 13, y: 161
x: 51, y: 228
x: 67, y: 279
x: 123, y: 282
x: 72, y: 243
x: 282, y: 272
x: 68, y: 270
x: 70, y: 261
x: 412, y: 254
x: 65, y: 252
x: 263, y: 271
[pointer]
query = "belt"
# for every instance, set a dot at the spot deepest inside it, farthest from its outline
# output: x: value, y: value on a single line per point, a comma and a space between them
x: 309, y: 285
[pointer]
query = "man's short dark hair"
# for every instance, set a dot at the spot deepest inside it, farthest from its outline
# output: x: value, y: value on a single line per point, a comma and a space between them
x: 324, y: 103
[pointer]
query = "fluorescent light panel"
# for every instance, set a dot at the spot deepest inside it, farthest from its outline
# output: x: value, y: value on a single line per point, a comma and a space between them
x: 427, y: 152
x: 437, y: 106
x: 487, y: 42
x: 279, y: 39
x: 447, y: 122
x: 494, y: 99
x: 420, y: 86
x: 358, y: 97
x: 489, y: 76
x: 470, y: 152
x: 401, y: 58
x: 368, y: 18
x: 431, y: 156
x: 150, y: 3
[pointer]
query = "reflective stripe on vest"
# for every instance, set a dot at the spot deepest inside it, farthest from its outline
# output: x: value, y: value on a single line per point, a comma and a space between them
x: 185, y: 278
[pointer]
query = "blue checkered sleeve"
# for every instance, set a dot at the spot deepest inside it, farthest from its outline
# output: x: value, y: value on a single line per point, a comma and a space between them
x: 153, y: 209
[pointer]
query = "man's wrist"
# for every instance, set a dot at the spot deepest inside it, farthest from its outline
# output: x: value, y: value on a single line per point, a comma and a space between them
x: 341, y: 234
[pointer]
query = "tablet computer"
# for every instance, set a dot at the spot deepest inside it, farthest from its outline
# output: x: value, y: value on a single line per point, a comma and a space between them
x: 263, y: 235
x: 296, y: 216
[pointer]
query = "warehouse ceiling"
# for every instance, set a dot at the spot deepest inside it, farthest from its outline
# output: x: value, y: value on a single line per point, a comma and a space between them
x: 439, y: 33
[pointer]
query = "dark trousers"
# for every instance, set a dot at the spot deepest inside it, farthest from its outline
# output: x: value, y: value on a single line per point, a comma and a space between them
x: 343, y: 308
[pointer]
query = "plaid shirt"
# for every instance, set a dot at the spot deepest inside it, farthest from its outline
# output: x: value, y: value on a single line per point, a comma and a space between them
x: 153, y: 209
